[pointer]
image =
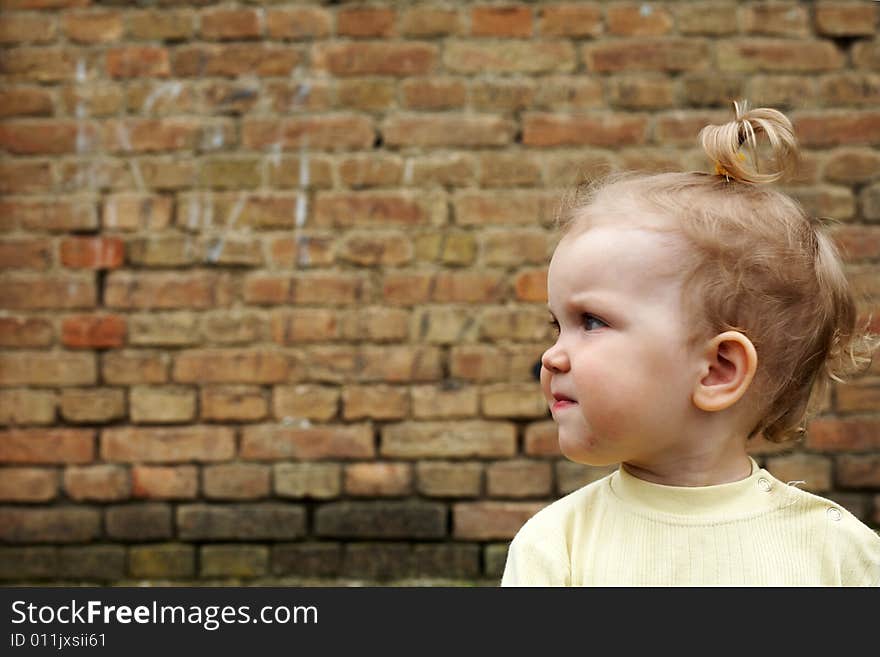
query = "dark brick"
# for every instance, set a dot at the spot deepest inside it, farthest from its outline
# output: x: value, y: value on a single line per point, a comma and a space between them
x: 104, y: 563
x: 24, y: 563
x: 234, y: 560
x: 171, y: 560
x: 381, y: 520
x: 240, y: 521
x: 451, y: 560
x: 139, y: 522
x: 494, y: 558
x: 56, y: 525
x: 307, y: 559
x: 378, y: 561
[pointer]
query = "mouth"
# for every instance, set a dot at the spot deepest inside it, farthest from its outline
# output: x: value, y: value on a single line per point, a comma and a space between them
x: 562, y: 402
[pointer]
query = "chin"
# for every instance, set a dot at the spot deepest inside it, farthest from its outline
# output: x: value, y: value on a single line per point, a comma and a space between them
x: 581, y: 449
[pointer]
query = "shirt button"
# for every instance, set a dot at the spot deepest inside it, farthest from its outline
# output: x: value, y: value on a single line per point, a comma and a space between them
x: 834, y: 513
x: 763, y: 484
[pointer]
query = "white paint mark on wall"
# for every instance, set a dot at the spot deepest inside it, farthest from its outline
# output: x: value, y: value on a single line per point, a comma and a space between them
x: 170, y: 89
x: 408, y: 172
x: 122, y: 133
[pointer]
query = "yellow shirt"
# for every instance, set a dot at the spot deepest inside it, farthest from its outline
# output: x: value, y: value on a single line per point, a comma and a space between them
x: 623, y: 531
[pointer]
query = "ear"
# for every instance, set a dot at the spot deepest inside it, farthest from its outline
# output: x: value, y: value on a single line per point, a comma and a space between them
x: 729, y: 365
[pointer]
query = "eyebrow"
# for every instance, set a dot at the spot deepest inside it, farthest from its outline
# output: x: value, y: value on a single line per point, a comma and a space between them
x: 608, y: 301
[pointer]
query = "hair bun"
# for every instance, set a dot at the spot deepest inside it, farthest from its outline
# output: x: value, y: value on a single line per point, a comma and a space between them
x: 733, y: 147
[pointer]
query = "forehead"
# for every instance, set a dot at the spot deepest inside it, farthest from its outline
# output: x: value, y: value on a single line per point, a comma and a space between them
x: 627, y: 259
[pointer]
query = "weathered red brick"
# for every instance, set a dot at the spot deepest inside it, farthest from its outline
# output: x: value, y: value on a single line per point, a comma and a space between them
x: 50, y: 445
x: 272, y: 442
x: 167, y: 444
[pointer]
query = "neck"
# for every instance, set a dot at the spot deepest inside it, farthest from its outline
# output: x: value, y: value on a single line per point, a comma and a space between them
x: 706, y: 468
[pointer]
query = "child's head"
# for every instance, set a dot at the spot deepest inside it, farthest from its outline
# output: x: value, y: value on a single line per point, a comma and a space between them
x: 691, y: 301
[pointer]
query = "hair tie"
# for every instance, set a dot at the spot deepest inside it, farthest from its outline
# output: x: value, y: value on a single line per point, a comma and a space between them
x: 721, y: 171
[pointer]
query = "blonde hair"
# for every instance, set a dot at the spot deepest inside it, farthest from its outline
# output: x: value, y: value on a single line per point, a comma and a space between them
x: 756, y: 263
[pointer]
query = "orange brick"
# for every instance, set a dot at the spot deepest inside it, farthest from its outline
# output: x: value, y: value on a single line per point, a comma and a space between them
x: 164, y: 482
x: 523, y: 56
x: 97, y: 483
x: 33, y: 254
x: 491, y: 520
x: 501, y: 21
x: 93, y: 331
x: 230, y: 24
x: 638, y: 20
x: 396, y: 59
x: 570, y: 19
x: 47, y: 445
x: 378, y: 479
x: 271, y: 442
x: 566, y: 130
x: 298, y: 23
x: 365, y: 21
x: 137, y: 61
x: 28, y: 484
x: 93, y: 27
x: 236, y: 481
x: 519, y: 478
x: 167, y: 444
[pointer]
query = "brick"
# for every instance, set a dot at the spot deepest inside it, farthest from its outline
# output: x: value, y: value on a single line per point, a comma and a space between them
x: 236, y: 403
x: 786, y: 91
x: 137, y: 135
x: 449, y: 478
x: 425, y: 21
x: 92, y: 405
x: 365, y: 21
x: 513, y: 400
x: 531, y: 285
x: 378, y: 479
x: 852, y: 166
x: 541, y: 439
x: 436, y: 130
x: 857, y: 396
x: 570, y: 19
x: 538, y: 56
x: 636, y: 93
x: 132, y: 367
x: 49, y: 445
x: 101, y: 483
x: 449, y: 248
x: 866, y: 54
x: 376, y: 248
x: 25, y: 254
x: 235, y: 481
x: 331, y: 132
x: 571, y: 476
x: 163, y: 329
x: 139, y: 522
x: 465, y: 439
x: 775, y: 19
x: 167, y: 444
x: 267, y: 521
x: 778, y: 55
x: 522, y: 324
x: 39, y: 64
x: 313, y: 480
x: 858, y: 243
x: 858, y: 471
x: 25, y: 101
x: 44, y: 291
x: 101, y: 563
x: 27, y: 28
x: 870, y: 202
x: 468, y: 287
x: 491, y: 520
x: 162, y: 404
x: 821, y: 201
x: 366, y: 94
x: 330, y: 288
x: 397, y: 364
x: 706, y: 18
x: 386, y: 520
x: 272, y: 442
x: 47, y: 369
x: 514, y: 247
x: 93, y: 27
x: 93, y: 331
x: 25, y: 406
x: 519, y: 478
x: 444, y: 325
x: 162, y: 561
x: 18, y: 177
x: 378, y: 402
x: 444, y: 401
x: 450, y: 560
x: 31, y: 137
x: 375, y: 324
x: 360, y: 171
x: 711, y: 89
x: 233, y: 328
x: 309, y: 559
x: 638, y: 20
x: 395, y: 59
x: 507, y: 208
x: 377, y: 561
x: 164, y: 482
x: 230, y: 366
x: 229, y: 24
x: 29, y: 563
x: 501, y: 21
x: 25, y: 332
x: 306, y: 325
x: 854, y: 89
x: 647, y: 54
x: 244, y: 561
x: 28, y: 484
x: 310, y: 402
x: 230, y: 173
x: 354, y: 209
x: 568, y: 92
x: 845, y: 19
x: 494, y: 560
x: 833, y: 435
x: 164, y: 24
x: 298, y: 23
x: 56, y: 525
x: 137, y: 61
x: 164, y: 290
x: 509, y: 170
x: 566, y: 130
x: 433, y: 94
x: 813, y: 469
x: 503, y: 94
x: 236, y: 59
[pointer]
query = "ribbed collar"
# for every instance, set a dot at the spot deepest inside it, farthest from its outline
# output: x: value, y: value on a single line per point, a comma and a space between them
x: 755, y: 494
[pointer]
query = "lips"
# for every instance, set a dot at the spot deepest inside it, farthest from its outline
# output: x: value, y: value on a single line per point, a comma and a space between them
x: 562, y: 402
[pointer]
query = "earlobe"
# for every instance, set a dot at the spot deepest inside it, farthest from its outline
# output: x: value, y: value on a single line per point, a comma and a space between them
x: 729, y: 367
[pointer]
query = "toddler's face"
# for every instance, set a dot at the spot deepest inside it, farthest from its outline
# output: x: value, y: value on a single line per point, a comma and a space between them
x: 619, y: 377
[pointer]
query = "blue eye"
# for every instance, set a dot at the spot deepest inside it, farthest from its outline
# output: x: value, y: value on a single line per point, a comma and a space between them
x: 588, y: 318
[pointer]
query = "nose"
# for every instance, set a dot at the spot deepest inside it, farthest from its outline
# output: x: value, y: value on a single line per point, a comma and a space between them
x: 555, y: 359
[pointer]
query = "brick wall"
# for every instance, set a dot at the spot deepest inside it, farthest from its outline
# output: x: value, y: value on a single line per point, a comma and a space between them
x: 273, y: 273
